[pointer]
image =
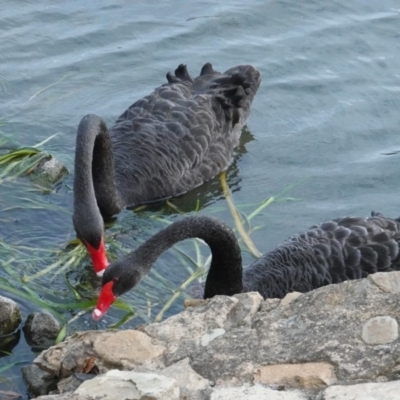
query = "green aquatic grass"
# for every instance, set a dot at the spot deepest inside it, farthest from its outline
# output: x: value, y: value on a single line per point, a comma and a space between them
x: 69, y: 299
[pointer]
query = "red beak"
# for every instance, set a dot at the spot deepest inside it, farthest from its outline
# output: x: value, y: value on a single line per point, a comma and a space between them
x: 99, y: 258
x: 106, y: 298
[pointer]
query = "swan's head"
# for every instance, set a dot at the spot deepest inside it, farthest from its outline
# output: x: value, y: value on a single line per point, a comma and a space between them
x: 91, y: 235
x: 119, y: 277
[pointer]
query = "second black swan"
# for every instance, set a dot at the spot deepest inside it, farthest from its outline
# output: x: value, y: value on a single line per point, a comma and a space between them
x: 173, y: 140
x: 335, y: 251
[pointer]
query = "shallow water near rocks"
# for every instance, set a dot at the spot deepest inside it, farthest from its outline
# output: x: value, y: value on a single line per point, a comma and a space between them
x: 326, y: 118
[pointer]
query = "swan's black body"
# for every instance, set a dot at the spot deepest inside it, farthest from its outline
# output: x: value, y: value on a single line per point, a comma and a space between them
x: 335, y: 251
x: 165, y: 144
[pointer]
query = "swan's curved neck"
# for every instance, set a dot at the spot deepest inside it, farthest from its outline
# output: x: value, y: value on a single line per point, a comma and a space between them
x: 94, y: 181
x: 225, y: 274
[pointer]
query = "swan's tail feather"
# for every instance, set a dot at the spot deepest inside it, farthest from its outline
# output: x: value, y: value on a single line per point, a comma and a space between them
x: 181, y: 75
x: 207, y: 69
x: 234, y: 90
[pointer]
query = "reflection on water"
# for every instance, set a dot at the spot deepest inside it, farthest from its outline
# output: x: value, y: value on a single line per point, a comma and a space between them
x: 327, y: 110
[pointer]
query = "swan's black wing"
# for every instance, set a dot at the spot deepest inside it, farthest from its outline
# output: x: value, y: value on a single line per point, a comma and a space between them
x: 182, y: 134
x: 339, y: 250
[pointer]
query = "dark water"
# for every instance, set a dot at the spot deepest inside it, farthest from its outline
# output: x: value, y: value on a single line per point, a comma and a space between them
x: 327, y: 115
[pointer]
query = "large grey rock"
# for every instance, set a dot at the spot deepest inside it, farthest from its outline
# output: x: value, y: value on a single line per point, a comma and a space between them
x: 41, y: 330
x: 363, y: 391
x: 343, y: 334
x: 119, y: 385
x: 10, y: 316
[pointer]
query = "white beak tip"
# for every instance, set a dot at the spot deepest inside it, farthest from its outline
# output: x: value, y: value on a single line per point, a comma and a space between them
x: 96, y: 314
x: 100, y: 273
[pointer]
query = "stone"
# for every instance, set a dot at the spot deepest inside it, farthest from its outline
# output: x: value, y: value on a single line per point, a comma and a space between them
x: 256, y: 392
x: 363, y: 391
x: 41, y: 330
x: 338, y: 334
x: 7, y: 395
x: 290, y: 297
x: 195, y: 321
x: 119, y: 385
x: 305, y: 376
x: 209, y: 336
x: 389, y: 283
x: 10, y: 316
x: 192, y: 385
x: 64, y: 396
x: 269, y: 305
x: 72, y: 383
x: 380, y: 330
x: 130, y: 347
x: 50, y: 170
x: 39, y: 382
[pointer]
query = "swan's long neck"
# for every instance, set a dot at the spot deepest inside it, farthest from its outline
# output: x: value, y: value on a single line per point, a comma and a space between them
x: 225, y: 274
x: 94, y: 182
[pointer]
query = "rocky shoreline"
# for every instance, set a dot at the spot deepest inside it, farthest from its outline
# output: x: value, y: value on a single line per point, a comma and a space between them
x: 337, y: 342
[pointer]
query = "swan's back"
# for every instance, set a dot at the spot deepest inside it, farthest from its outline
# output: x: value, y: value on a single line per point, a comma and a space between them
x: 182, y: 134
x: 335, y: 251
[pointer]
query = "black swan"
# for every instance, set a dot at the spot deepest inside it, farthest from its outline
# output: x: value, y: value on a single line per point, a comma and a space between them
x: 335, y: 251
x: 169, y: 142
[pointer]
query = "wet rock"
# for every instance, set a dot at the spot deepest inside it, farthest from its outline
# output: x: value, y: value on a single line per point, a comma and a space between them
x: 10, y: 316
x: 8, y: 342
x: 9, y: 395
x: 363, y: 391
x: 50, y: 170
x: 256, y: 392
x: 192, y: 385
x: 306, y: 376
x: 129, y: 385
x: 41, y: 330
x: 39, y: 382
x: 72, y: 383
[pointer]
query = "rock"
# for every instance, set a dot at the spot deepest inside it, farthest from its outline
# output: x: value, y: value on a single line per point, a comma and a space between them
x: 118, y: 385
x: 127, y: 348
x: 50, y: 170
x: 306, y: 376
x: 363, y: 391
x: 8, y: 342
x: 10, y: 316
x: 195, y: 321
x: 389, y: 283
x: 39, y: 382
x: 9, y: 395
x: 290, y: 297
x: 104, y: 349
x: 41, y: 330
x: 344, y: 334
x: 192, y: 385
x: 256, y: 392
x: 72, y: 383
x: 380, y: 330
x: 65, y: 396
